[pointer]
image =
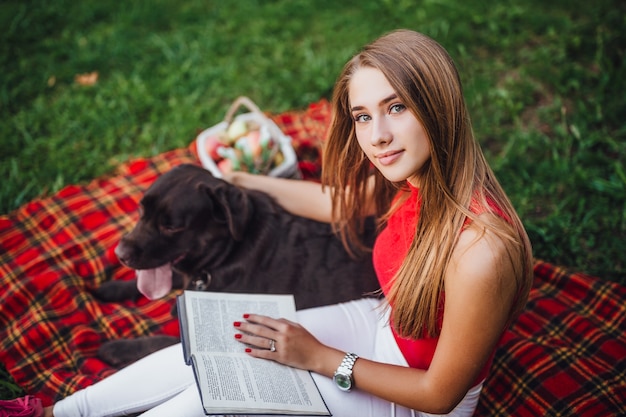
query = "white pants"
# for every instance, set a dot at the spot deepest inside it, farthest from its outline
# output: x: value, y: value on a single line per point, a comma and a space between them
x: 164, y: 385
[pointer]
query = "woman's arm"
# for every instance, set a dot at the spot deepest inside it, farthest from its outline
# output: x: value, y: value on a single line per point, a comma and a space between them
x: 479, y: 294
x: 302, y: 198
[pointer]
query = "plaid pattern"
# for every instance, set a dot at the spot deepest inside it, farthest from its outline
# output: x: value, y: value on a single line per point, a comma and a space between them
x: 561, y: 358
x: 565, y: 355
x: 52, y: 252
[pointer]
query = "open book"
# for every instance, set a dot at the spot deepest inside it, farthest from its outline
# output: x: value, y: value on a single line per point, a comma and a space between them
x: 229, y: 380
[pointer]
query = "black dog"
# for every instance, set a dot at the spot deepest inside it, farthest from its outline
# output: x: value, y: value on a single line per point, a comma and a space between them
x: 195, y: 228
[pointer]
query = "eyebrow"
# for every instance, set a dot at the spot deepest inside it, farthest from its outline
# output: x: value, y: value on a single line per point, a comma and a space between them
x: 386, y: 100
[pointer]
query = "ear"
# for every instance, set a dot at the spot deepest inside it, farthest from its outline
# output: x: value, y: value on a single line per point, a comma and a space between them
x: 234, y: 204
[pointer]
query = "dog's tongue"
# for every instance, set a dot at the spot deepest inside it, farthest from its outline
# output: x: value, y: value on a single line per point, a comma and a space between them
x: 155, y: 283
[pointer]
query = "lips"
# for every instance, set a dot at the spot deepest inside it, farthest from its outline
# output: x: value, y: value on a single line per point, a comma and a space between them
x: 389, y: 157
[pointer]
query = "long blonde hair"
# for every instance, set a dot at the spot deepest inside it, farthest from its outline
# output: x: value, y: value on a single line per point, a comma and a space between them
x: 425, y: 78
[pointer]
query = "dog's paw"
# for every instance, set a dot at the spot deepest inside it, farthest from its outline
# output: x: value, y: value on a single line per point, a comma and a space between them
x: 117, y: 291
x: 122, y: 352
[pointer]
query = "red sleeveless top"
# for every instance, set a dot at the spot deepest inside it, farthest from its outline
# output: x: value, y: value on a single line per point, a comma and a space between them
x: 390, y: 249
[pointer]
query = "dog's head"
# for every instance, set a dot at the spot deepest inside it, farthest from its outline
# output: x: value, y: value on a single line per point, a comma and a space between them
x: 188, y: 218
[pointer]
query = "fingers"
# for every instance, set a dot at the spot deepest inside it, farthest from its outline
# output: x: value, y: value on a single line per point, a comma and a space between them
x: 257, y: 332
x: 276, y: 324
x: 261, y: 334
x: 257, y: 342
x: 255, y: 328
x: 279, y: 340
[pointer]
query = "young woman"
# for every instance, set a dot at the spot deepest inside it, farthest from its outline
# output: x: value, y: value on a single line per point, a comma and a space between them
x: 452, y: 257
x: 453, y: 260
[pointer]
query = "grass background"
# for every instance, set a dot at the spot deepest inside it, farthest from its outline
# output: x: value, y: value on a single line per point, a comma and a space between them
x: 545, y: 82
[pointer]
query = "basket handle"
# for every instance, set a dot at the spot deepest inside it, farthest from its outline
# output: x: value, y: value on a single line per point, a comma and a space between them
x: 241, y: 101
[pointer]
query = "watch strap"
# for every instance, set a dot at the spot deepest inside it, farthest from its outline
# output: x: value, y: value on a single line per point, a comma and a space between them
x: 348, y: 362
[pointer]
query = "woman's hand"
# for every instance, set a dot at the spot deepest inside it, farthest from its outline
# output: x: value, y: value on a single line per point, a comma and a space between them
x: 234, y: 177
x: 293, y: 344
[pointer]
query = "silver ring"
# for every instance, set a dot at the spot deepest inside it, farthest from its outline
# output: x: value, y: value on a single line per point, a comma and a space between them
x: 272, y: 345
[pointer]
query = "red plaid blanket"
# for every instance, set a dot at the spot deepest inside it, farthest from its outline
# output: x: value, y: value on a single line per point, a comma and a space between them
x: 563, y: 357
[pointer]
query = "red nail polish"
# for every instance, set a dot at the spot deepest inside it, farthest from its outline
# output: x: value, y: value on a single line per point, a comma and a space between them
x: 248, y: 350
x: 238, y: 336
x: 246, y: 316
x: 237, y: 324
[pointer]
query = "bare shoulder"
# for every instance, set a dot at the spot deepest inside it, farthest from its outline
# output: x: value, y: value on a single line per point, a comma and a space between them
x: 481, y: 259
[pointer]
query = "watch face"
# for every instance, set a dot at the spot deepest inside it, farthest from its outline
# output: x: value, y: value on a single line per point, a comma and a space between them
x: 343, y: 382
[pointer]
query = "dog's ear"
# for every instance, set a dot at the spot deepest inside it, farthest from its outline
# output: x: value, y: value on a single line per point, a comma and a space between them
x: 234, y: 204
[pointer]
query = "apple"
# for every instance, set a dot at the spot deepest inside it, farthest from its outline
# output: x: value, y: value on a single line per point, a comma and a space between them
x: 225, y: 165
x: 211, y: 146
x: 254, y: 143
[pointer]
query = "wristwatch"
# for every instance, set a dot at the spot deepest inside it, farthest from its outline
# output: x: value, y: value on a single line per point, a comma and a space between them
x: 343, y: 375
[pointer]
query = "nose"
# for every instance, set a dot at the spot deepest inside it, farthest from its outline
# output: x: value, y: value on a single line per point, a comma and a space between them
x: 123, y: 252
x: 381, y: 135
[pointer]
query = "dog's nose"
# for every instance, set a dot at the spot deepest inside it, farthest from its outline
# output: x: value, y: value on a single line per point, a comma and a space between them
x: 121, y: 254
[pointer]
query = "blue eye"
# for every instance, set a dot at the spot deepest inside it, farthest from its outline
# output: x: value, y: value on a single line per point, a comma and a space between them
x: 360, y: 118
x: 397, y: 108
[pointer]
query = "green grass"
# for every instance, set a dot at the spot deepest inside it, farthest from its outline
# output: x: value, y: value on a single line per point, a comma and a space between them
x: 545, y: 82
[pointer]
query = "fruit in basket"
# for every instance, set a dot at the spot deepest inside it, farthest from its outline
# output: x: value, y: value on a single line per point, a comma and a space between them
x: 244, y: 146
x: 236, y: 129
x: 225, y: 166
x: 279, y: 159
x: 212, y: 144
x: 253, y: 140
x: 230, y: 159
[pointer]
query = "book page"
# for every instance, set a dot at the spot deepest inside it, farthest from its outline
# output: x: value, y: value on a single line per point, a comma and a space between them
x: 230, y: 380
x: 240, y: 383
x: 211, y: 317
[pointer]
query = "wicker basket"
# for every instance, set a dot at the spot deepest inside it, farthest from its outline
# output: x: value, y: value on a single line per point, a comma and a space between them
x: 279, y: 148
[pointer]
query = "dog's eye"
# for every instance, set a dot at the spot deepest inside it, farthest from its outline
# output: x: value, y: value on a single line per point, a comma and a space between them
x: 169, y: 229
x: 168, y: 223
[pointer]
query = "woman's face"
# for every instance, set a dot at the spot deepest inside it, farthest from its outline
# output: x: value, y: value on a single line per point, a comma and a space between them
x: 387, y: 131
